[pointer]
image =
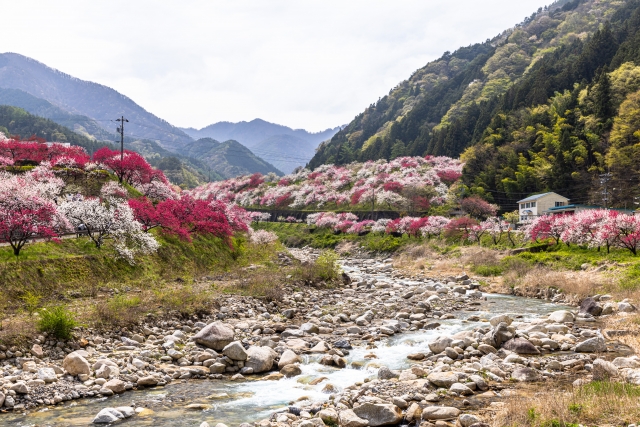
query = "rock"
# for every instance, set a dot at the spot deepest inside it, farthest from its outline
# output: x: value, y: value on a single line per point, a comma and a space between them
x: 467, y: 420
x: 561, y: 316
x: 289, y: 357
x: 443, y: 379
x: 313, y: 422
x: 291, y: 371
x: 348, y: 418
x: 108, y: 415
x: 75, y: 364
x: 520, y: 346
x: 126, y: 411
x: 414, y: 412
x: 439, y: 413
x: 216, y: 335
x: 461, y: 389
x: 525, y: 375
x: 48, y: 375
x: 329, y: 416
x: 440, y: 344
x: 502, y: 318
x: 626, y: 307
x: 260, y: 359
x: 608, y: 308
x: 603, y: 370
x: 36, y: 350
x: 385, y: 373
x: 591, y: 345
x: 147, y: 381
x: 626, y: 362
x: 309, y: 328
x: 379, y: 414
x: 590, y: 306
x: 115, y: 385
x: 500, y: 334
x: 235, y: 351
x: 289, y: 313
x: 217, y: 368
x: 486, y: 348
x: 400, y: 402
x: 20, y: 388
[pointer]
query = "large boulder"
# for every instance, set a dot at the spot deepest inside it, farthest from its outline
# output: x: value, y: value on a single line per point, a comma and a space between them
x: 288, y: 358
x: 443, y: 379
x: 107, y: 416
x: 592, y: 345
x: 439, y: 413
x: 115, y: 385
x: 500, y: 334
x: 75, y: 364
x: 467, y: 420
x: 379, y: 414
x: 48, y: 375
x: 520, y: 346
x: 291, y: 371
x: 260, y: 359
x: 590, y: 306
x: 216, y: 335
x: 501, y: 318
x: 440, y: 344
x: 561, y: 316
x: 235, y: 351
x: 384, y: 373
x: 329, y: 416
x: 348, y: 418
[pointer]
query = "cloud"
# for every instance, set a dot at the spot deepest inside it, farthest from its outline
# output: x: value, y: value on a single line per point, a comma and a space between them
x: 309, y: 64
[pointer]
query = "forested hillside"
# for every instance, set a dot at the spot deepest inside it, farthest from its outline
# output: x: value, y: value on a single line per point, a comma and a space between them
x: 534, y: 109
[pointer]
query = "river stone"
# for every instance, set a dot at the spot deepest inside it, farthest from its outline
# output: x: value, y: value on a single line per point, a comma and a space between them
x: 235, y: 351
x: 385, y: 373
x: 525, y: 375
x: 348, y: 418
x: 440, y: 344
x: 329, y: 416
x: 48, y: 375
x: 217, y: 368
x: 36, y: 350
x: 592, y: 345
x: 289, y: 357
x: 443, y: 379
x: 561, y: 316
x: 626, y: 362
x: 147, y: 381
x: 216, y: 335
x: 126, y: 411
x: 500, y: 334
x: 20, y: 388
x: 439, y: 413
x: 260, y: 359
x: 520, y: 346
x: 480, y: 383
x: 309, y: 328
x: 108, y: 415
x: 379, y: 414
x: 626, y: 307
x: 461, y: 389
x: 291, y: 371
x: 467, y: 420
x: 502, y: 318
x: 590, y: 306
x: 75, y: 364
x: 603, y: 370
x: 115, y: 385
x: 486, y: 348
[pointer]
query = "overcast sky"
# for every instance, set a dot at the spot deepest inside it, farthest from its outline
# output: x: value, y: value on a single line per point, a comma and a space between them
x: 301, y: 63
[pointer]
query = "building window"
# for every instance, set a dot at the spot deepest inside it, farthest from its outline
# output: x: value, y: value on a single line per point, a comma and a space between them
x: 533, y: 204
x: 521, y: 205
x: 528, y: 205
x: 559, y: 204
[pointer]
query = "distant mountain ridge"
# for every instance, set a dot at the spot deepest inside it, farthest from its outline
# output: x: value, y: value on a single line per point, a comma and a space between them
x: 284, y: 147
x: 85, y: 98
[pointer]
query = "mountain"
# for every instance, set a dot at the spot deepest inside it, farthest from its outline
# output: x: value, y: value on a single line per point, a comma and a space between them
x: 280, y: 145
x: 552, y: 104
x: 83, y: 98
x: 427, y: 113
x: 229, y: 158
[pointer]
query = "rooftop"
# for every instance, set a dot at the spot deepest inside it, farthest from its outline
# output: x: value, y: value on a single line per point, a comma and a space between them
x: 537, y: 196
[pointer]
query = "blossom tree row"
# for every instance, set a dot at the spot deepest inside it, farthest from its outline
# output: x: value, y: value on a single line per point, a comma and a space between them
x: 411, y: 184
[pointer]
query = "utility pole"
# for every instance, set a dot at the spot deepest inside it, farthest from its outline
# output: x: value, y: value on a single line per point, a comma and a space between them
x: 373, y: 201
x: 121, y: 130
x: 604, y: 181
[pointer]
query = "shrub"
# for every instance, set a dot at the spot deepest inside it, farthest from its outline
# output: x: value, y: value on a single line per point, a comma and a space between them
x: 488, y: 270
x: 121, y: 310
x: 57, y: 321
x: 31, y: 302
x: 326, y: 266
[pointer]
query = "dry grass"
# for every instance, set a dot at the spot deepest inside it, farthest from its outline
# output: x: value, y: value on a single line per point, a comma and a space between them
x: 629, y: 323
x: 599, y: 403
x: 578, y: 284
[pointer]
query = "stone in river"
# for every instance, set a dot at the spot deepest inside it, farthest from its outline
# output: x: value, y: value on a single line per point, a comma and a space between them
x: 379, y: 414
x: 440, y: 344
x: 235, y: 351
x: 439, y: 413
x: 521, y: 346
x: 288, y: 358
x: 260, y: 358
x: 561, y: 316
x: 75, y: 364
x: 216, y: 335
x: 348, y: 418
x: 592, y: 345
x: 385, y: 373
x: 107, y: 416
x: 443, y: 379
x: 590, y: 306
x: 525, y: 375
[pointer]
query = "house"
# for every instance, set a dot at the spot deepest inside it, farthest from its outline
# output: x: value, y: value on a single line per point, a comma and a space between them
x: 539, y: 204
x: 573, y: 209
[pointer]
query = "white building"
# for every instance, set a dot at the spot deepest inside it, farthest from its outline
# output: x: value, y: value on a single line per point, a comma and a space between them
x: 539, y: 204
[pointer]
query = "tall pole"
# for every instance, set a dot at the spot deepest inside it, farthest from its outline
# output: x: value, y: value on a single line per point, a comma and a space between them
x: 121, y: 130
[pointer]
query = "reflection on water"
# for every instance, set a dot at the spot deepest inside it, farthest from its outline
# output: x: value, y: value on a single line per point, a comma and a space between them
x: 235, y: 402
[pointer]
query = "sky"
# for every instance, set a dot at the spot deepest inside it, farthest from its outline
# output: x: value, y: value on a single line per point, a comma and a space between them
x: 311, y: 64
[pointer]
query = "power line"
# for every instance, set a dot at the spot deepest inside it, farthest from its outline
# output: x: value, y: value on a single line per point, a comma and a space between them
x: 120, y: 129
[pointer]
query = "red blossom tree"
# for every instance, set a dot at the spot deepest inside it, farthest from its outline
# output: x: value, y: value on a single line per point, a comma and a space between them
x: 460, y: 228
x: 478, y: 208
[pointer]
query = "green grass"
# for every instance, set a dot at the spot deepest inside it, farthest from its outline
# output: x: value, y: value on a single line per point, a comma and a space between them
x: 488, y: 270
x: 57, y: 321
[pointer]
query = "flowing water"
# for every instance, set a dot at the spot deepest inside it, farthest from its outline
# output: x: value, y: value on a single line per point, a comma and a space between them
x: 235, y: 402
